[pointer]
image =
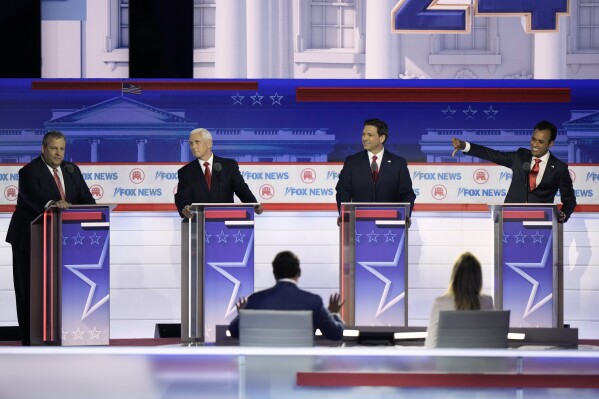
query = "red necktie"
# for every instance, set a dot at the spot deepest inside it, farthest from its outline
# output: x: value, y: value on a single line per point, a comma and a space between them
x: 59, y: 184
x: 532, y: 176
x: 375, y: 168
x: 207, y: 174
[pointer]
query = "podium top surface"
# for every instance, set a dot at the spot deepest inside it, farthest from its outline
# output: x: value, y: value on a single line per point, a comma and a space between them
x: 225, y: 204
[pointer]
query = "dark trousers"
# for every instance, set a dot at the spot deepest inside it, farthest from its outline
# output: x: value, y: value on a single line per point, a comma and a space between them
x: 21, y: 273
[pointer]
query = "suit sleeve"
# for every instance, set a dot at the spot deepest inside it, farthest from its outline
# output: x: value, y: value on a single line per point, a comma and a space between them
x: 234, y: 327
x: 406, y: 192
x: 84, y: 196
x: 343, y: 187
x: 500, y: 158
x: 183, y: 196
x: 566, y: 189
x: 240, y: 187
x: 31, y: 190
x: 433, y: 324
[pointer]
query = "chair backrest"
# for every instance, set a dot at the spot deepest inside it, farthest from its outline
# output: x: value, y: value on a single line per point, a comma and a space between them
x: 275, y: 328
x: 473, y: 329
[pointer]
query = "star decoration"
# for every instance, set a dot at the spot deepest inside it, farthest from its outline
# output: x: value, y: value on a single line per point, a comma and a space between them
x: 78, y: 239
x: 505, y: 236
x: 257, y: 99
x: 370, y: 266
x: 469, y: 112
x: 95, y: 238
x: 237, y: 99
x: 95, y: 333
x: 208, y: 332
x: 89, y: 308
x: 390, y: 236
x: 276, y: 99
x: 530, y: 307
x: 238, y: 236
x: 448, y: 112
x: 537, y: 237
x: 490, y: 112
x: 520, y: 237
x: 64, y: 240
x: 222, y: 237
x: 65, y: 335
x: 78, y: 334
x: 358, y: 235
x: 219, y: 267
x: 372, y: 236
x: 208, y: 238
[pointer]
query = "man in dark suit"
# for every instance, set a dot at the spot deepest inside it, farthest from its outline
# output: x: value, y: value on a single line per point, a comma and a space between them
x: 536, y: 173
x: 285, y: 295
x: 46, y: 181
x: 375, y: 174
x: 209, y: 178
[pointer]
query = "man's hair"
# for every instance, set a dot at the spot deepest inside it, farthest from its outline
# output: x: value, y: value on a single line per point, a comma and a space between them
x: 206, y: 135
x: 52, y: 135
x: 545, y: 125
x: 286, y: 265
x: 466, y: 282
x: 381, y: 127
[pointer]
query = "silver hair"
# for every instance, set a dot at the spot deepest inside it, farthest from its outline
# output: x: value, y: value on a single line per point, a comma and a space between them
x: 206, y: 135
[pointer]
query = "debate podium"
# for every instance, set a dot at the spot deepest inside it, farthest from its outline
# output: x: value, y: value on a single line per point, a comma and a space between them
x: 217, y: 267
x: 374, y: 263
x: 70, y: 276
x: 528, y: 264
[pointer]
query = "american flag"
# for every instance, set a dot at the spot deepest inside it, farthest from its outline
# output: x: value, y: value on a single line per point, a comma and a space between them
x: 131, y: 88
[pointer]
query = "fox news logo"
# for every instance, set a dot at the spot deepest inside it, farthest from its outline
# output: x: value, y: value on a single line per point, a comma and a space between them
x: 442, y: 176
x: 160, y: 175
x: 477, y: 192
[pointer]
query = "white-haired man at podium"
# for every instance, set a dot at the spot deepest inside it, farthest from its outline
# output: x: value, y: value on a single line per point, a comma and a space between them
x: 209, y: 178
x: 46, y: 181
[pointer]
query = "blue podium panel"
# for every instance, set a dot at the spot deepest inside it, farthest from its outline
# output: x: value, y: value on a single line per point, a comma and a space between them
x: 528, y: 266
x: 85, y: 285
x: 228, y: 263
x: 380, y: 266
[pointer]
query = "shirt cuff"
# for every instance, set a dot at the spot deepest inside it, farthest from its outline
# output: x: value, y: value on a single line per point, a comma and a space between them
x: 467, y: 148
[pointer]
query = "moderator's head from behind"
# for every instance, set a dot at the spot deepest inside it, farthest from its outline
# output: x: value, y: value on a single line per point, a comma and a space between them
x: 286, y: 265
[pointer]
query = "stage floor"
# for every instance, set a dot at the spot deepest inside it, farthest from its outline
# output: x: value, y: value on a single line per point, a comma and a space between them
x: 166, y: 369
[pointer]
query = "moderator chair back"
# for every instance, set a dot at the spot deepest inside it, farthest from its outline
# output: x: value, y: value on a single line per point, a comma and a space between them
x: 275, y: 328
x: 473, y: 329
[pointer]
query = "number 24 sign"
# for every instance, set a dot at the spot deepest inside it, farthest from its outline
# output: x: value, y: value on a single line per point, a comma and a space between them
x: 433, y: 16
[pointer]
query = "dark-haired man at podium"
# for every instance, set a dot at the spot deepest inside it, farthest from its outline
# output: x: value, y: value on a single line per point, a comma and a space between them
x: 209, y: 178
x: 375, y: 174
x: 286, y: 295
x: 45, y: 181
x: 536, y: 173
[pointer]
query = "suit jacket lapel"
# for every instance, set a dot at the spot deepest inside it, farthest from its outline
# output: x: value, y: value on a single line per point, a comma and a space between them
x: 549, y: 170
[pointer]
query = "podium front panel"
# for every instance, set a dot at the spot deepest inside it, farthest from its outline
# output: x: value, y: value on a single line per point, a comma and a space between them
x: 85, y: 277
x: 374, y: 284
x: 229, y: 264
x: 528, y: 265
x: 217, y: 267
